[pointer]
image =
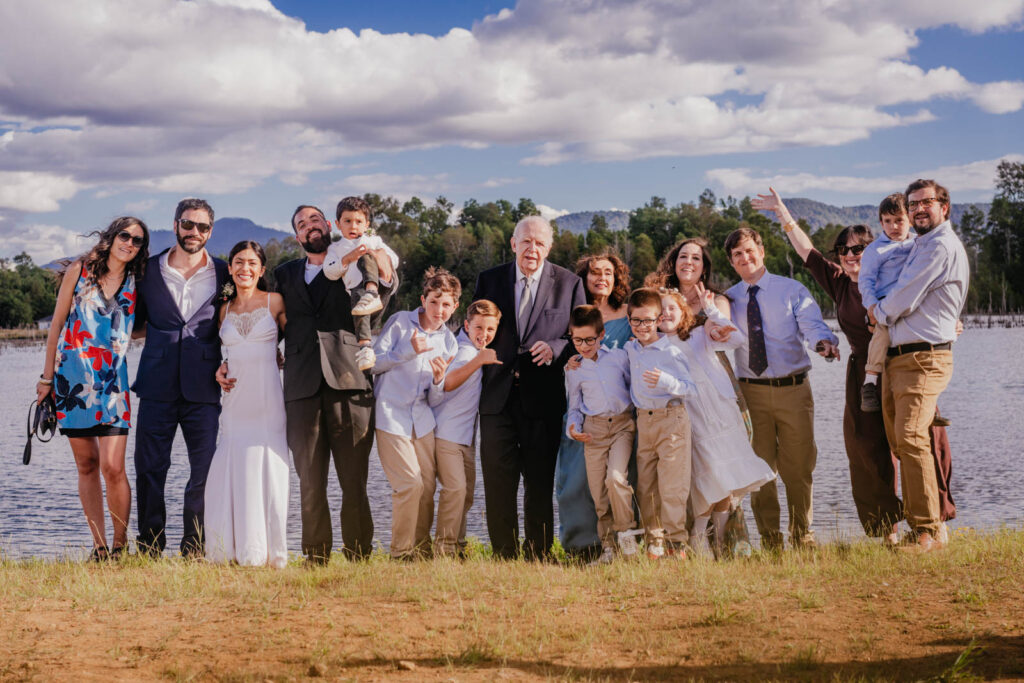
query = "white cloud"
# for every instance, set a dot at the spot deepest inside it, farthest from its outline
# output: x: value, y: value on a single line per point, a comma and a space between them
x: 35, y: 191
x: 549, y: 213
x: 44, y: 243
x: 1003, y: 97
x: 970, y: 177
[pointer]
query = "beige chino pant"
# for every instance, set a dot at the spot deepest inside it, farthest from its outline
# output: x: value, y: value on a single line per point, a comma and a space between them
x: 663, y: 471
x: 878, y: 347
x: 409, y: 466
x: 453, y: 502
x: 911, y: 386
x: 607, y: 460
x: 783, y: 419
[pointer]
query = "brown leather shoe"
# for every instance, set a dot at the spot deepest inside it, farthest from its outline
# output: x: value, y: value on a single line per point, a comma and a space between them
x: 920, y: 543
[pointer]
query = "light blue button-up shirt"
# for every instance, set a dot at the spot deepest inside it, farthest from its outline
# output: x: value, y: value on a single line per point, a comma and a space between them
x: 880, y: 268
x: 790, y: 319
x: 674, y: 381
x: 404, y: 376
x: 455, y: 411
x: 598, y: 387
x: 930, y: 294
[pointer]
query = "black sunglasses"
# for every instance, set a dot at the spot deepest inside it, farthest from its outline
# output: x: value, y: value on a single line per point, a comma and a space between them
x: 189, y: 226
x: 126, y: 236
x: 843, y: 250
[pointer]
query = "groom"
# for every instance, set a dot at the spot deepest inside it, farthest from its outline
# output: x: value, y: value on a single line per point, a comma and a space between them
x: 175, y: 381
x: 328, y: 400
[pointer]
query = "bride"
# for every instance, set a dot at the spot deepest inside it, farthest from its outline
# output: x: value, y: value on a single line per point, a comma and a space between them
x: 247, y: 487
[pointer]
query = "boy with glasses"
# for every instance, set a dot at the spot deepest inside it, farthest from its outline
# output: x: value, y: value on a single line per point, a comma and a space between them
x: 880, y: 268
x: 600, y: 416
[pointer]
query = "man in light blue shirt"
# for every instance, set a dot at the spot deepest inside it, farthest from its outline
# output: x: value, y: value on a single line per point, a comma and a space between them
x: 921, y: 312
x: 779, y: 317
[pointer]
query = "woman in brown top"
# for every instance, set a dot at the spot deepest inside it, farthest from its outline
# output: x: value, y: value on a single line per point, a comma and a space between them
x: 872, y: 464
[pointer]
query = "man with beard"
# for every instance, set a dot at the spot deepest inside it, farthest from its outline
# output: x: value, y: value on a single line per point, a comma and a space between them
x: 175, y: 381
x: 328, y: 400
x: 921, y: 312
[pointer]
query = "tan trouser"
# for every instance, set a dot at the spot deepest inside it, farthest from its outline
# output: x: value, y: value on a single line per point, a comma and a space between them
x: 451, y: 503
x: 877, y: 349
x: 469, y: 464
x: 783, y: 419
x: 663, y: 471
x: 607, y: 460
x: 911, y: 386
x: 409, y: 466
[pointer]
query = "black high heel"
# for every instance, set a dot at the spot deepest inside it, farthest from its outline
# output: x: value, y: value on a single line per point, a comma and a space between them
x: 100, y: 554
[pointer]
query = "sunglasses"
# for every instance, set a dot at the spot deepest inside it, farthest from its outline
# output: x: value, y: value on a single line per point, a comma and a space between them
x: 189, y: 226
x: 843, y: 250
x: 126, y: 236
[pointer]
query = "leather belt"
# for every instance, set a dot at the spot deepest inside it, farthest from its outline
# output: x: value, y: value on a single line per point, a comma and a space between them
x: 917, y: 346
x: 790, y: 381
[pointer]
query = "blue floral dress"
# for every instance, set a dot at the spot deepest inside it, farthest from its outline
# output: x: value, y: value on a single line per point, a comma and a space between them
x: 91, y: 377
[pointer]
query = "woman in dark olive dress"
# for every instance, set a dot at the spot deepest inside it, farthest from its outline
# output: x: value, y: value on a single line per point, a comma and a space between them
x: 872, y: 463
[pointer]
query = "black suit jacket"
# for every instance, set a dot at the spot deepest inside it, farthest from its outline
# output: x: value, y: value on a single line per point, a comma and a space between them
x: 319, y: 339
x: 541, y: 388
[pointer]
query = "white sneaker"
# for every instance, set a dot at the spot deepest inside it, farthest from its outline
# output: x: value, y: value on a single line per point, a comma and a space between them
x: 365, y: 358
x: 656, y: 549
x: 607, y: 557
x: 627, y: 543
x: 368, y: 303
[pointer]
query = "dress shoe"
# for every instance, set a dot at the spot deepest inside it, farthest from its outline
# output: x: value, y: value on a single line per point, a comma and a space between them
x: 870, y: 399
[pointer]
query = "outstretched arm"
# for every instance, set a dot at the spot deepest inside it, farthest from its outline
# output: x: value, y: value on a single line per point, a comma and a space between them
x: 797, y: 237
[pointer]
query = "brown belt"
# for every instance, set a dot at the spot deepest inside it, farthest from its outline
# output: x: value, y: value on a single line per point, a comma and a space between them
x: 789, y: 381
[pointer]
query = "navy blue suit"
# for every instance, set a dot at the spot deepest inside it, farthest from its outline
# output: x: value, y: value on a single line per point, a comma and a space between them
x: 521, y: 408
x: 176, y: 385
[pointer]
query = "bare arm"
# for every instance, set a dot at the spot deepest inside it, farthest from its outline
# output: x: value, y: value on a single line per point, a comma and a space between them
x: 60, y: 316
x: 797, y: 237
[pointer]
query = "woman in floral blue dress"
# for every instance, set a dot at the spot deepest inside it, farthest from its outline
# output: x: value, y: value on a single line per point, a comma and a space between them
x: 86, y: 371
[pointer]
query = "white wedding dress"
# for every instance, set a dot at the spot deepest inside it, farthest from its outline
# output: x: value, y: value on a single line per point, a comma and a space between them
x: 246, y: 516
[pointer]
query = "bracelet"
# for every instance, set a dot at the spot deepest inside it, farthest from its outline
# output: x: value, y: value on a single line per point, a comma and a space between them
x: 789, y: 226
x: 43, y: 380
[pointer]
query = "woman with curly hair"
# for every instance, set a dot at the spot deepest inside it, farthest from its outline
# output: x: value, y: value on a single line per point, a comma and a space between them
x: 85, y: 369
x: 606, y: 281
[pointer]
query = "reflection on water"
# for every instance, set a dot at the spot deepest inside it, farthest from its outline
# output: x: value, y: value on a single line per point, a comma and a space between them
x: 40, y: 513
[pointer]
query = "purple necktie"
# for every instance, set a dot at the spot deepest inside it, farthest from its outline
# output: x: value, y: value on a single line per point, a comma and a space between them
x: 758, y: 361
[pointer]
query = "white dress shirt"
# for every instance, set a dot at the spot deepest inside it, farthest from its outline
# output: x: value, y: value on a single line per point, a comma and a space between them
x: 598, y: 387
x: 190, y: 294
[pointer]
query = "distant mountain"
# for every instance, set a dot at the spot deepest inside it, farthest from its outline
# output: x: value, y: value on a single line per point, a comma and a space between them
x: 580, y: 221
x: 819, y: 214
x: 227, y: 232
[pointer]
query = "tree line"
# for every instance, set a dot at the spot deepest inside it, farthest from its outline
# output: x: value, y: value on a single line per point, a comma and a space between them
x: 477, y: 238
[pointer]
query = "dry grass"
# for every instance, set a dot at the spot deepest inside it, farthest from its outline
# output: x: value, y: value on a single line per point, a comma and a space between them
x: 844, y: 612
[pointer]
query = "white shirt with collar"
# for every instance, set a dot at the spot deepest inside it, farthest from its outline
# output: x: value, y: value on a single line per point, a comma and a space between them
x: 190, y: 294
x: 533, y: 282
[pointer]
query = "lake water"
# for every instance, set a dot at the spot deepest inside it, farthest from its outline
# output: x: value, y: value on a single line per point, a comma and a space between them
x: 40, y: 514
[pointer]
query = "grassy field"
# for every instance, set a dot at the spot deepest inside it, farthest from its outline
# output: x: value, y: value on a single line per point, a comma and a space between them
x: 845, y: 612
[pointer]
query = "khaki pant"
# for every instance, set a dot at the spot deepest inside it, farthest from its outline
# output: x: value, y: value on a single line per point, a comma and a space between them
x: 783, y: 419
x: 663, y: 471
x: 409, y: 466
x: 451, y: 503
x: 911, y: 386
x: 469, y: 464
x: 877, y: 350
x: 607, y: 459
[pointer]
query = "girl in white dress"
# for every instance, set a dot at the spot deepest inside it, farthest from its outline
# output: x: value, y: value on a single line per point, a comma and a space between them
x: 725, y: 467
x: 247, y: 488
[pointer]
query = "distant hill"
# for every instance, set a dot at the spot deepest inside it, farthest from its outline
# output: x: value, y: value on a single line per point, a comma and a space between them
x: 579, y: 222
x: 819, y: 214
x: 227, y: 232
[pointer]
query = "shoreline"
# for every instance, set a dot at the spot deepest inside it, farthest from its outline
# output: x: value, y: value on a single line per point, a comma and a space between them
x: 846, y: 611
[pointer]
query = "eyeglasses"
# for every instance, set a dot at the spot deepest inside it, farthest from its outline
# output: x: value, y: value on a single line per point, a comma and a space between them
x: 189, y: 226
x: 126, y: 236
x: 925, y: 203
x: 583, y: 341
x: 642, y: 322
x: 843, y: 250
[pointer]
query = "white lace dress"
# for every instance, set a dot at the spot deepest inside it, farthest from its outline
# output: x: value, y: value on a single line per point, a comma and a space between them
x: 246, y: 514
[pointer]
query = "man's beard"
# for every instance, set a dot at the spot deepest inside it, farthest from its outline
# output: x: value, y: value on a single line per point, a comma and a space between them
x: 924, y: 229
x: 195, y: 249
x: 316, y: 245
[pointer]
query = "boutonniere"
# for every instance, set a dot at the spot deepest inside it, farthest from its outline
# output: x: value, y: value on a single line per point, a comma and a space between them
x: 227, y: 291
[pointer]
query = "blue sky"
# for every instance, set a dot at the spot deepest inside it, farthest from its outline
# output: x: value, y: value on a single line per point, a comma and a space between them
x: 115, y: 107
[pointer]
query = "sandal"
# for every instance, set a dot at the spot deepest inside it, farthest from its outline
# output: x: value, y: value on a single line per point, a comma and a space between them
x: 117, y: 553
x: 99, y: 554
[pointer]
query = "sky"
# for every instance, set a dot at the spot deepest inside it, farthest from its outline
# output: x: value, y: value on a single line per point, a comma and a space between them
x: 116, y: 107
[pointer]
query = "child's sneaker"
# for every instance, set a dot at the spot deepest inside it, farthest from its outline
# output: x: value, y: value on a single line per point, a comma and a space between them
x: 365, y: 358
x: 656, y: 549
x: 627, y: 543
x: 676, y: 551
x: 368, y: 303
x: 607, y: 557
x: 870, y: 402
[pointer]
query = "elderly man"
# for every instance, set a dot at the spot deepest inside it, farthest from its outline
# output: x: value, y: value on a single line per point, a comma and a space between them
x: 523, y: 399
x: 779, y: 317
x: 921, y: 312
